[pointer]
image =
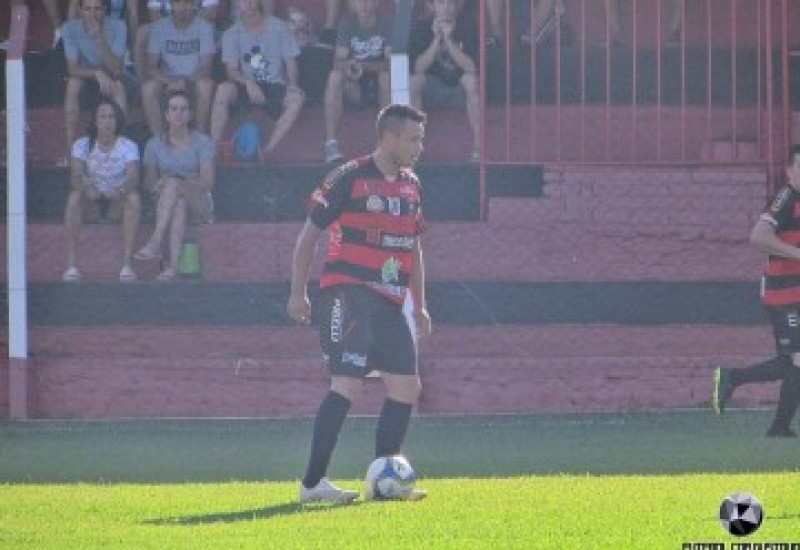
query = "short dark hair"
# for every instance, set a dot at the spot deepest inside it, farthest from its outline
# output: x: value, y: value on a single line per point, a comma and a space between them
x: 392, y: 116
x: 794, y: 150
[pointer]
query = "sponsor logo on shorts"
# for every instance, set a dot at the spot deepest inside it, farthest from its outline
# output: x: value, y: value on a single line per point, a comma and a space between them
x: 398, y: 241
x: 355, y: 359
x: 336, y: 321
x: 792, y: 319
x: 390, y: 272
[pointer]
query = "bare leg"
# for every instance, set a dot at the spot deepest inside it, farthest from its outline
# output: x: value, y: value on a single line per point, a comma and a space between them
x: 72, y: 111
x: 541, y: 13
x: 612, y: 17
x: 676, y: 18
x: 204, y: 95
x: 73, y: 219
x: 470, y: 84
x: 176, y: 234
x: 332, y: 13
x: 291, y: 108
x: 225, y: 96
x: 130, y: 223
x: 334, y: 96
x: 164, y: 215
x: 495, y: 17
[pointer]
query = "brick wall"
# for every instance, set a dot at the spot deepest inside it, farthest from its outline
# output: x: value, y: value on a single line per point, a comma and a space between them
x: 594, y: 224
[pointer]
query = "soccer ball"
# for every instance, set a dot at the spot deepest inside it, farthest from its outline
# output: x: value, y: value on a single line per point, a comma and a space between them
x: 741, y: 514
x: 389, y: 477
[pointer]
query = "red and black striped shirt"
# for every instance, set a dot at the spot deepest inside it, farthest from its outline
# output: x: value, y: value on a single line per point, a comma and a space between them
x: 781, y: 282
x: 373, y: 225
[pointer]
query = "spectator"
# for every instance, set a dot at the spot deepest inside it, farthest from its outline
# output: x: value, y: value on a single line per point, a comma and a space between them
x: 360, y: 67
x: 157, y: 10
x: 444, y: 48
x: 259, y: 53
x: 94, y: 46
x: 179, y: 169
x: 180, y: 54
x: 673, y: 30
x: 105, y: 167
x: 542, y: 15
x: 124, y: 10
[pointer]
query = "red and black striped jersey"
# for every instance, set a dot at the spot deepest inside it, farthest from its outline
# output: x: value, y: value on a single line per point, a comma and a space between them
x: 373, y: 223
x: 781, y: 282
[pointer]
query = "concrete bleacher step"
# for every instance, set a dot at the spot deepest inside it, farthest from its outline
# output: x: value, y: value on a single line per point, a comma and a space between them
x: 139, y: 372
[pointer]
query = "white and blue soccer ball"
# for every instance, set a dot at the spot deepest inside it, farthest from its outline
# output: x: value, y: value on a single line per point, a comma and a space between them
x: 389, y: 477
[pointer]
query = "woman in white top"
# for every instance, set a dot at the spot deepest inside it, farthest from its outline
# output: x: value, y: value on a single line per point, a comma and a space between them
x: 179, y: 170
x: 105, y: 167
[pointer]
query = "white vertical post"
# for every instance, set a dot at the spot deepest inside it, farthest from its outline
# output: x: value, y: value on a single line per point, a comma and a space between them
x: 16, y: 216
x: 399, y: 61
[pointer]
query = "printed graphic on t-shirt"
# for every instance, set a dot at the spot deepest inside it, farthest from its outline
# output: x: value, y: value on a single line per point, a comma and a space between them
x: 183, y: 47
x: 258, y: 64
x: 367, y: 49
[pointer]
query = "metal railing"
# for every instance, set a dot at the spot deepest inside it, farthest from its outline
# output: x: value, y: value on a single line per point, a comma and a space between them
x: 718, y: 91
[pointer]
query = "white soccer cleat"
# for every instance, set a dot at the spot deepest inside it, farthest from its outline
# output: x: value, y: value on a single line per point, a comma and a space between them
x: 325, y: 491
x: 417, y: 494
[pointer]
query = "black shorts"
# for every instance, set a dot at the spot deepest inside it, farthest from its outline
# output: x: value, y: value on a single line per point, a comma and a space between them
x: 274, y: 94
x: 785, y: 328
x: 361, y: 331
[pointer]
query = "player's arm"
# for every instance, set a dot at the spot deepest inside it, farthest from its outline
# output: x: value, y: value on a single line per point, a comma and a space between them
x: 766, y: 239
x: 417, y: 288
x: 299, y: 307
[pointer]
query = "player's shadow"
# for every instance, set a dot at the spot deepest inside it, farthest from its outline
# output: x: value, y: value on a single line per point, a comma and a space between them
x: 278, y: 510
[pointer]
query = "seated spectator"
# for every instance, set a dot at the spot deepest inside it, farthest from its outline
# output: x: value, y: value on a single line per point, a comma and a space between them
x: 157, y: 10
x: 180, y: 54
x: 94, y: 46
x: 445, y: 48
x: 259, y: 53
x: 673, y: 37
x: 541, y: 16
x: 360, y: 67
x: 105, y: 167
x: 124, y: 10
x: 179, y: 169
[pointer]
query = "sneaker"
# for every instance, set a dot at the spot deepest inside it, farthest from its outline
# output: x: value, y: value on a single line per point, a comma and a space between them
x: 332, y: 152
x: 417, y: 494
x: 325, y: 491
x: 71, y: 275
x: 722, y: 389
x: 775, y: 431
x: 127, y: 274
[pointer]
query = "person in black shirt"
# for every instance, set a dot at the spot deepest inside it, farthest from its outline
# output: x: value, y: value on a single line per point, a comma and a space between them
x: 445, y: 47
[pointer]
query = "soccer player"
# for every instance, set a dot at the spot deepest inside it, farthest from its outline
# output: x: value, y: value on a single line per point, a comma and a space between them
x: 777, y: 233
x: 371, y: 206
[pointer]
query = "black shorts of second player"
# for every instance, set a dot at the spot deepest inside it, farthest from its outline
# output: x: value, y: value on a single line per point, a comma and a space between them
x: 361, y: 331
x: 273, y: 93
x: 785, y: 328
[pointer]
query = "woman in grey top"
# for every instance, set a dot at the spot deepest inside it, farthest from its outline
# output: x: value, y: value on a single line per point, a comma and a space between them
x: 179, y: 169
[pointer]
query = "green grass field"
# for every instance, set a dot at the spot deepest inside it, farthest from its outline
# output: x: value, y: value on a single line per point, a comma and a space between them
x: 644, y: 480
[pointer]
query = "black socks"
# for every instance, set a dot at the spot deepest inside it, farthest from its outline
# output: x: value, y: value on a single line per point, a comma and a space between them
x: 327, y: 425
